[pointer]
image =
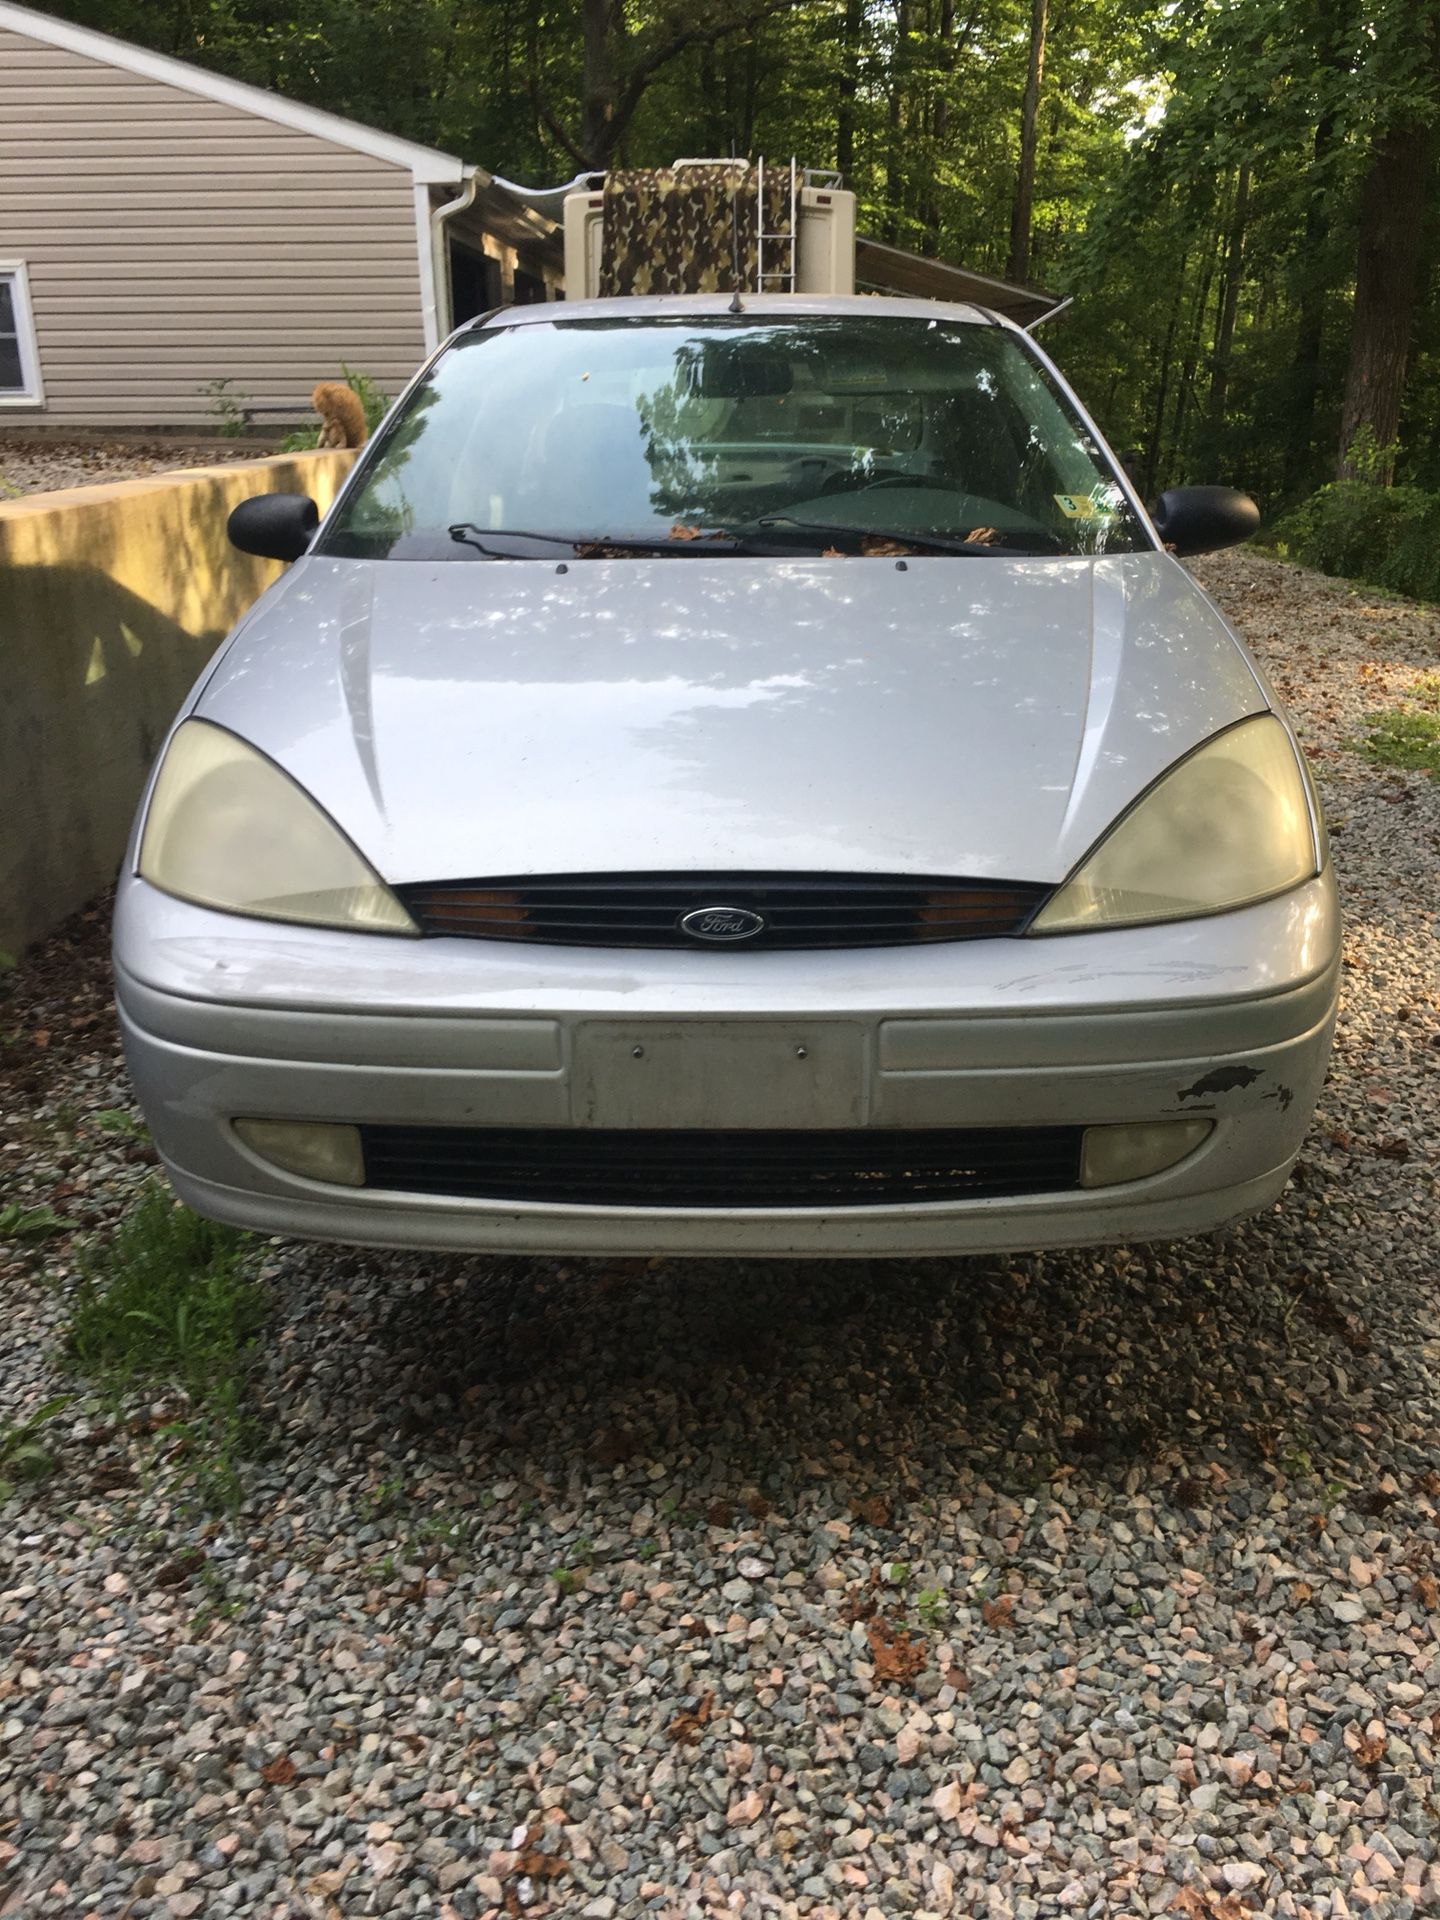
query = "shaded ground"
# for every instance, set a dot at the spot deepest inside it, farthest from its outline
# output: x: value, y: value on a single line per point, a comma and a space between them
x: 1091, y: 1583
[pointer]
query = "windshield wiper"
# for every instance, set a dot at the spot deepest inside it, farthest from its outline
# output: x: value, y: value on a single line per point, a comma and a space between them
x: 596, y: 546
x: 916, y: 542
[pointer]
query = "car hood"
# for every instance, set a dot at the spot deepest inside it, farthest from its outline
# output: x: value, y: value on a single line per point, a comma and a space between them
x: 949, y: 716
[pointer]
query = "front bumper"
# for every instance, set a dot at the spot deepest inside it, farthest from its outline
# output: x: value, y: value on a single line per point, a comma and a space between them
x: 1228, y: 1019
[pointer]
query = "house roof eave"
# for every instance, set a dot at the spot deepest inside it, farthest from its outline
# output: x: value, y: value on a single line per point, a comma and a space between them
x: 426, y: 165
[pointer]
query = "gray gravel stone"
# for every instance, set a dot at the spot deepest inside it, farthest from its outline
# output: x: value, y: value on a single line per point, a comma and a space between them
x: 1162, y: 1522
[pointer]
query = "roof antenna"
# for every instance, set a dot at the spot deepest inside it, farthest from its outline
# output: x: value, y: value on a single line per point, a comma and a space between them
x: 735, y: 306
x: 1049, y: 314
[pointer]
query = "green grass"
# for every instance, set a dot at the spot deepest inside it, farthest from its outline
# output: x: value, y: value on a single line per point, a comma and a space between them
x: 30, y: 1223
x: 1408, y: 739
x: 23, y: 1455
x: 169, y: 1304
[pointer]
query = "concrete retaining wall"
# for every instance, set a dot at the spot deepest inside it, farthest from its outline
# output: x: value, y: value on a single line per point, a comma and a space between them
x: 112, y: 599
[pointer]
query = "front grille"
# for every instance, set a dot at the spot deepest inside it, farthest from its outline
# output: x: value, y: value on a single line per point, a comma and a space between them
x: 587, y: 1166
x: 795, y: 909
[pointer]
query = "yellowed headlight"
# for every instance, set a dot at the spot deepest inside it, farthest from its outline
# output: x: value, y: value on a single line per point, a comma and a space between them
x: 226, y: 828
x: 1231, y: 824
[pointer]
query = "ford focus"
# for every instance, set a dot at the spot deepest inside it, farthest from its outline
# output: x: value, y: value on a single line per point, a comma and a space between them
x: 732, y: 782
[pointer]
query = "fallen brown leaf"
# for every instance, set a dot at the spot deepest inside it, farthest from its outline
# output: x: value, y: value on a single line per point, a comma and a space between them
x: 278, y: 1772
x: 1426, y: 1591
x: 615, y: 1447
x: 685, y: 1728
x: 895, y: 1654
x: 999, y: 1612
x: 1371, y: 1750
x: 536, y: 1865
x: 177, y: 1571
x: 1199, y: 1903
x: 874, y: 1511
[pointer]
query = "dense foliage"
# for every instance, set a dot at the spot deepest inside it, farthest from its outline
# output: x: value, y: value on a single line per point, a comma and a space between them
x: 1240, y: 192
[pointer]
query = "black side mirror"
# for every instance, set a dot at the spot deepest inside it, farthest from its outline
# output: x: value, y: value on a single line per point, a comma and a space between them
x: 277, y: 526
x: 1200, y: 519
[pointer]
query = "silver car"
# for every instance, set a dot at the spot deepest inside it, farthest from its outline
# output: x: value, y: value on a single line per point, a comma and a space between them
x: 744, y: 782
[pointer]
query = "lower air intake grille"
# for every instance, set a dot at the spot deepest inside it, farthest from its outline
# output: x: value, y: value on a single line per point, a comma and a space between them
x: 586, y: 1166
x: 786, y: 909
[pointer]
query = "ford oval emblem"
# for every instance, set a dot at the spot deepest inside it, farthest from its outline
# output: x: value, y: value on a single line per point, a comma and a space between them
x: 722, y: 923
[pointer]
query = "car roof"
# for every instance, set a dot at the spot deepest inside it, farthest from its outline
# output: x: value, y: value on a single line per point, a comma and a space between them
x: 701, y: 305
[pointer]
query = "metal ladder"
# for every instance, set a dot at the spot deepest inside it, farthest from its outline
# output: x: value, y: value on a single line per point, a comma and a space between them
x: 785, y: 273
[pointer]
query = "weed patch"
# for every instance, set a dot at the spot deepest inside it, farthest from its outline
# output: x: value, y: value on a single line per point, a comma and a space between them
x: 30, y: 1223
x: 23, y: 1454
x: 169, y: 1303
x: 1407, y: 738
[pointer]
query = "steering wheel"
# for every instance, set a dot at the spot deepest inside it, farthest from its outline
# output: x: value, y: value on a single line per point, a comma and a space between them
x: 935, y: 481
x: 843, y: 482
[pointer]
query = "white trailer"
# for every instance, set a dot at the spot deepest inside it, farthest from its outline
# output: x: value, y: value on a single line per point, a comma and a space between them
x: 748, y: 226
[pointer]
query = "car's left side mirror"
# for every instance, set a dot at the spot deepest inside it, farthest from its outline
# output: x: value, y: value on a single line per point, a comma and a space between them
x: 1200, y: 519
x: 277, y: 526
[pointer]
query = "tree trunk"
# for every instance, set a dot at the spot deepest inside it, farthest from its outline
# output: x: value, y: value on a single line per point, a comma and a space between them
x: 848, y: 88
x: 1310, y: 328
x: 1229, y: 305
x: 1386, y: 280
x: 599, y: 133
x: 894, y: 158
x: 943, y: 62
x: 1190, y: 361
x: 1020, y: 210
x: 1157, y: 425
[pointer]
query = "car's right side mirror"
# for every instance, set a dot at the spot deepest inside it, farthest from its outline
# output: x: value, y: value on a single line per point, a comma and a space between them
x: 277, y: 526
x: 1200, y: 519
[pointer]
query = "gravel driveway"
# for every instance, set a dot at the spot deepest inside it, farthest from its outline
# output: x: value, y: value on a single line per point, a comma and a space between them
x: 1102, y: 1583
x: 37, y: 465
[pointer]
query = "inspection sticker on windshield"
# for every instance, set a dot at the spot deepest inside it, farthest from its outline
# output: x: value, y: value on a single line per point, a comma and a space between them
x: 1076, y: 506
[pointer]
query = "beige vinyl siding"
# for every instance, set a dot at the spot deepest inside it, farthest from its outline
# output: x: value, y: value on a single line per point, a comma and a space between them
x: 174, y: 240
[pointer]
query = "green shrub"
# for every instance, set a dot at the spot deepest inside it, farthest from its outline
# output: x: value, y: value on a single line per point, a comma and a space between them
x: 1386, y: 536
x: 375, y: 403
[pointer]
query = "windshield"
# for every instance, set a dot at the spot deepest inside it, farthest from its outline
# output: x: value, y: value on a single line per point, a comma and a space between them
x: 846, y: 434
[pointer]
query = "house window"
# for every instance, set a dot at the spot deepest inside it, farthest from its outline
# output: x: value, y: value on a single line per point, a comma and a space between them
x: 19, y: 362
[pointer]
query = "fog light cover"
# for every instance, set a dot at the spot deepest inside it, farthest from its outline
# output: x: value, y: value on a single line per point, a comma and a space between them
x: 315, y: 1149
x: 1109, y: 1156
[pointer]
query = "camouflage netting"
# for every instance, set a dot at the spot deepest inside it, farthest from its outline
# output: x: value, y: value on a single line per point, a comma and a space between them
x: 668, y: 232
